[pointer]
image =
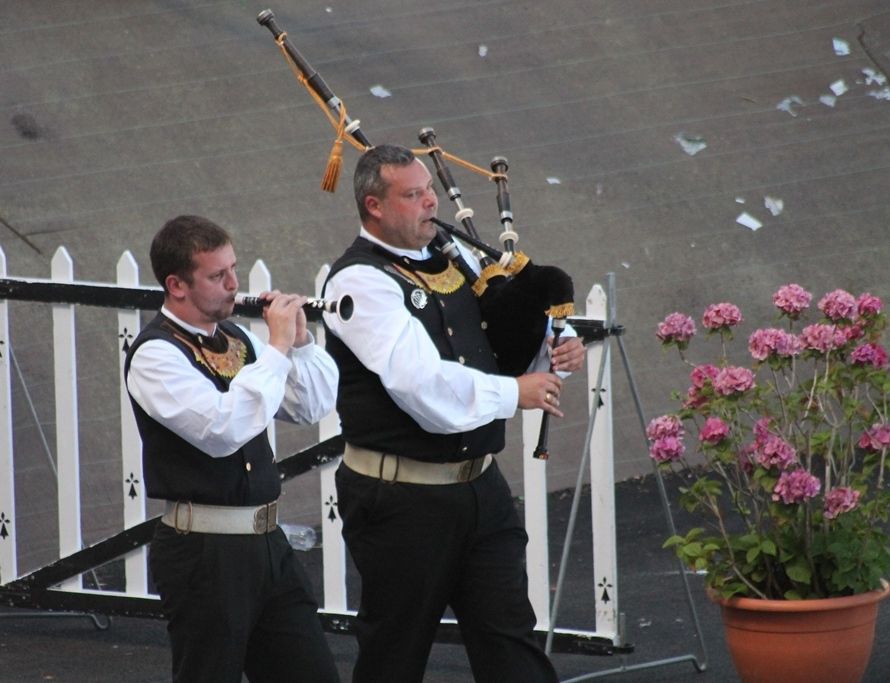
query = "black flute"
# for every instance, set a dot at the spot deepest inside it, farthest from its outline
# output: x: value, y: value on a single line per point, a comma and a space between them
x: 343, y: 307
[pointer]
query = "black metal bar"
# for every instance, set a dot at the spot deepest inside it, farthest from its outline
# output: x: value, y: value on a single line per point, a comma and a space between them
x: 82, y: 561
x: 593, y: 330
x: 309, y: 458
x: 106, y: 296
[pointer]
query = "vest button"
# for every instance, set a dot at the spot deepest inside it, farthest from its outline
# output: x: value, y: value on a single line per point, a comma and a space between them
x: 450, y: 332
x: 247, y: 467
x: 484, y: 325
x: 461, y: 360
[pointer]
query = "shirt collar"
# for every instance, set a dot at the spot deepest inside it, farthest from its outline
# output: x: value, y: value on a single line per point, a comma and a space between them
x: 416, y: 254
x: 191, y: 328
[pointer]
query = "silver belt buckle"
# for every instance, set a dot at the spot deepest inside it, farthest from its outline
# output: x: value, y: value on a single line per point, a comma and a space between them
x: 265, y: 518
x: 188, y: 519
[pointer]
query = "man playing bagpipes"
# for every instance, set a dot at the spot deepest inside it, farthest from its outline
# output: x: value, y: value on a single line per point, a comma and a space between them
x: 427, y: 515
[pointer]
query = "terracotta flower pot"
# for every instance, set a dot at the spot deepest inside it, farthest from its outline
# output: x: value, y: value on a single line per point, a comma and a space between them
x: 801, y: 641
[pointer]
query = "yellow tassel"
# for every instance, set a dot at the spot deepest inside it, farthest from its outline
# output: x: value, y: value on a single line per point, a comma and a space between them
x: 561, y: 310
x: 335, y: 165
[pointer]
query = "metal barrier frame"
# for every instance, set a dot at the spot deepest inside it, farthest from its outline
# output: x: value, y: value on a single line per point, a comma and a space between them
x: 58, y: 586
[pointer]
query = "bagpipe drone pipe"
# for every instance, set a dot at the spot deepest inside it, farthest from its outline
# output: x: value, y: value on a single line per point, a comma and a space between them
x: 517, y: 298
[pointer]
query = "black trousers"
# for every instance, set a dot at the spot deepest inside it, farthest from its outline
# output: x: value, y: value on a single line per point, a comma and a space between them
x: 238, y: 603
x: 422, y: 548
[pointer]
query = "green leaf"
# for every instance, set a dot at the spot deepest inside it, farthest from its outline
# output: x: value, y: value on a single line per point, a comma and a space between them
x: 798, y: 572
x: 693, y: 549
x: 672, y: 541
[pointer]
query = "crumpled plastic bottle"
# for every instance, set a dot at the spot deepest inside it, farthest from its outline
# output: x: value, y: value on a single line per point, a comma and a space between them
x: 299, y: 536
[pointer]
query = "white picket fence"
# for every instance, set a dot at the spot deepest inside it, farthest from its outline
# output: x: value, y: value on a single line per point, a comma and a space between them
x: 334, y: 600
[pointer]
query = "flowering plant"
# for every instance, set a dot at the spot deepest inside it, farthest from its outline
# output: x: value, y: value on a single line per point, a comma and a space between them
x: 792, y: 448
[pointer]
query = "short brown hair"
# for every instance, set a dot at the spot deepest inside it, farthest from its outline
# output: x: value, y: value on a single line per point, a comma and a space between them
x: 173, y: 248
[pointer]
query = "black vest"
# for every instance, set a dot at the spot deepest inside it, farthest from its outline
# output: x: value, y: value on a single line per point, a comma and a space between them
x: 173, y: 469
x: 441, y: 299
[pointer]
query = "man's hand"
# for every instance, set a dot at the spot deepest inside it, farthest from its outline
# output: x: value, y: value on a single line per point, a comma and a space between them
x: 286, y: 320
x: 568, y: 356
x: 540, y: 390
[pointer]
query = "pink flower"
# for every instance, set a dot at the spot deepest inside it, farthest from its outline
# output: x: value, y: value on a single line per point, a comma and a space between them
x: 868, y: 305
x: 701, y: 374
x: 795, y: 486
x: 761, y: 430
x: 839, y: 500
x: 822, y: 338
x: 665, y: 425
x: 788, y: 345
x: 762, y: 343
x: 774, y: 451
x: 676, y: 328
x: 792, y: 300
x: 713, y: 431
x: 746, y: 459
x: 770, y: 341
x: 869, y: 354
x: 838, y: 305
x: 666, y: 434
x: 667, y: 449
x: 733, y: 380
x: 721, y: 316
x: 853, y: 332
x: 875, y: 438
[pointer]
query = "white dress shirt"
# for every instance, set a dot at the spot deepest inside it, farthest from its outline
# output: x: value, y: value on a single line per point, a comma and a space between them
x: 443, y: 396
x: 300, y: 387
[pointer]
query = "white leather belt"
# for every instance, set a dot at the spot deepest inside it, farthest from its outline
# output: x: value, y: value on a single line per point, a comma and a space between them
x: 394, y: 468
x: 188, y: 517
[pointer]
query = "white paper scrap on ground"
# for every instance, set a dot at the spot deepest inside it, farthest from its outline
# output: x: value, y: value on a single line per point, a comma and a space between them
x: 552, y: 180
x: 841, y: 47
x: 873, y: 77
x: 788, y: 104
x: 380, y: 91
x: 739, y: 200
x: 691, y: 144
x: 882, y: 94
x: 483, y: 50
x: 839, y: 87
x: 774, y: 205
x: 828, y: 100
x: 746, y: 219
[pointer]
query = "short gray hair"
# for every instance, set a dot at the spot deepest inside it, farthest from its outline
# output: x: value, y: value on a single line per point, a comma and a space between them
x: 367, y: 181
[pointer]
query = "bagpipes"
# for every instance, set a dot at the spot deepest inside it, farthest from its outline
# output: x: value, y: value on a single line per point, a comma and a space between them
x: 517, y: 298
